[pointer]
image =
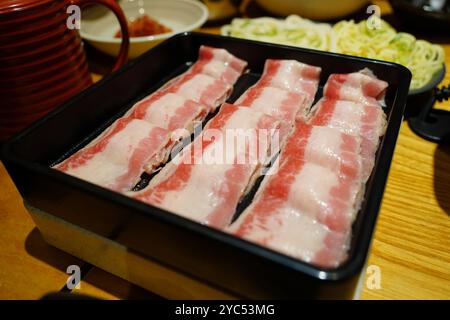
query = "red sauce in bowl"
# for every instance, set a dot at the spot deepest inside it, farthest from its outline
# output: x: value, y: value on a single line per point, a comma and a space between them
x: 144, y: 26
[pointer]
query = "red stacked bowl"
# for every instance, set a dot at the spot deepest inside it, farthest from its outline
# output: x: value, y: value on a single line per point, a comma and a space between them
x: 42, y: 62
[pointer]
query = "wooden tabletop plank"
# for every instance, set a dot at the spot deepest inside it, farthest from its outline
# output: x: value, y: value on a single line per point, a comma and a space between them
x: 29, y: 267
x: 413, y: 230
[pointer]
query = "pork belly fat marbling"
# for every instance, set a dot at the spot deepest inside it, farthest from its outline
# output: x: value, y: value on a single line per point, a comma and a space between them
x: 215, y: 62
x: 366, y: 121
x: 170, y: 111
x: 219, y: 64
x: 210, y: 79
x: 306, y: 207
x: 196, y: 91
x: 206, y: 191
x: 362, y: 87
x: 201, y: 88
x: 292, y: 76
x: 279, y: 103
x: 116, y: 159
x: 284, y: 91
x: 327, y: 147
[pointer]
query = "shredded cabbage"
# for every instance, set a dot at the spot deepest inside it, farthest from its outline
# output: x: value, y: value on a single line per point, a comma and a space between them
x: 291, y: 31
x: 373, y: 38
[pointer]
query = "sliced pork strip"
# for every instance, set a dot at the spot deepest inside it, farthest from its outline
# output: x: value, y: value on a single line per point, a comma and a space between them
x: 219, y: 54
x: 332, y: 200
x: 282, y: 229
x: 275, y: 219
x: 312, y: 152
x: 218, y: 70
x: 214, y: 62
x: 201, y: 88
x: 281, y: 104
x: 169, y: 111
x: 204, y: 184
x: 362, y: 87
x: 327, y: 147
x: 366, y: 121
x: 116, y: 159
x: 278, y: 103
x: 292, y: 76
x: 177, y: 105
x: 219, y: 64
x: 299, y: 214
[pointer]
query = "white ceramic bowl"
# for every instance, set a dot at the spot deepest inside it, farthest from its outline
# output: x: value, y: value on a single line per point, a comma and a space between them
x: 313, y: 9
x: 99, y: 25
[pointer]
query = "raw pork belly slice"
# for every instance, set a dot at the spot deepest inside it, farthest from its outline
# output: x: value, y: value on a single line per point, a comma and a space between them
x: 233, y: 117
x: 116, y: 159
x: 271, y: 222
x: 210, y: 79
x: 281, y: 104
x: 201, y: 88
x: 219, y: 64
x: 298, y: 214
x: 285, y: 91
x: 202, y: 183
x: 143, y: 138
x: 362, y: 87
x: 219, y: 54
x: 366, y: 121
x: 169, y: 111
x: 327, y: 147
x: 292, y: 76
x: 196, y: 91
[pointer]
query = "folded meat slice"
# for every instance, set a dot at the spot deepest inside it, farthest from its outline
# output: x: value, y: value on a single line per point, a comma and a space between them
x: 210, y: 79
x: 362, y: 87
x: 292, y: 76
x: 299, y: 214
x: 201, y: 88
x: 219, y: 64
x: 270, y: 222
x: 281, y: 104
x: 116, y: 159
x: 327, y: 147
x: 207, y: 179
x: 366, y: 121
x: 169, y: 111
x: 220, y: 54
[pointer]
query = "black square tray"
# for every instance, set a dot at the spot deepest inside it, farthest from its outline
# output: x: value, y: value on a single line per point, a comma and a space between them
x: 221, y: 260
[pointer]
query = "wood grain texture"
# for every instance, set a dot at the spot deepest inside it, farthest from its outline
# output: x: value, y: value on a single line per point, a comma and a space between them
x: 104, y: 285
x: 412, y: 238
x: 29, y: 267
x: 410, y: 247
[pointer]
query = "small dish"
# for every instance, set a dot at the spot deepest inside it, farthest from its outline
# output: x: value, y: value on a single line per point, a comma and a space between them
x: 434, y: 81
x: 98, y: 26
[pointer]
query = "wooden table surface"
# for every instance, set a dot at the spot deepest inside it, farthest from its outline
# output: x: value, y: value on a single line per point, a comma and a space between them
x: 410, y: 247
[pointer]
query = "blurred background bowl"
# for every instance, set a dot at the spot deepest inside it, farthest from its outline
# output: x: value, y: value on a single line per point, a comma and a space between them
x: 433, y: 15
x: 98, y: 26
x: 313, y: 9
